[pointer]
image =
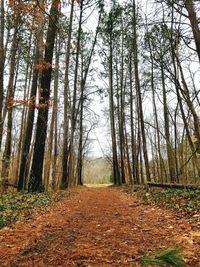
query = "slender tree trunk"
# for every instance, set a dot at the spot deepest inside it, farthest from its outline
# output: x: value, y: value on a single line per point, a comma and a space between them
x: 74, y: 101
x: 135, y: 166
x: 129, y: 172
x: 120, y: 120
x: 2, y: 58
x: 80, y: 145
x: 121, y: 114
x: 9, y: 105
x: 83, y: 83
x: 139, y: 95
x: 116, y: 173
x: 65, y: 157
x: 161, y: 163
x: 170, y: 152
x: 23, y: 117
x: 23, y: 172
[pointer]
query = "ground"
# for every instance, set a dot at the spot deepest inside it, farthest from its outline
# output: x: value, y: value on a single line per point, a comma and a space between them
x: 98, y: 227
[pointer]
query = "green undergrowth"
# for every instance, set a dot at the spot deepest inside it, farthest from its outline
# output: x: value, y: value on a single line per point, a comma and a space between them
x: 186, y: 202
x: 14, y: 206
x: 170, y: 257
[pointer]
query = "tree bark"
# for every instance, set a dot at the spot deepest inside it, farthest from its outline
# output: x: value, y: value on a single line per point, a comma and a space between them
x: 189, y: 5
x: 170, y: 152
x: 65, y: 158
x: 48, y: 159
x: 35, y: 183
x: 139, y: 96
x: 2, y: 58
x: 74, y: 102
x: 134, y: 157
x: 25, y: 157
x: 9, y: 104
x: 115, y: 164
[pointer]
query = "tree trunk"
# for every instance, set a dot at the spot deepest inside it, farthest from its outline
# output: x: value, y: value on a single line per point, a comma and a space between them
x: 189, y: 5
x: 139, y: 96
x: 48, y: 160
x: 115, y: 166
x: 23, y: 116
x: 161, y: 163
x: 83, y: 83
x: 170, y: 152
x: 135, y: 165
x: 80, y: 145
x: 121, y: 114
x: 65, y: 157
x: 9, y: 105
x: 25, y: 158
x: 2, y: 58
x: 35, y: 183
x: 74, y: 102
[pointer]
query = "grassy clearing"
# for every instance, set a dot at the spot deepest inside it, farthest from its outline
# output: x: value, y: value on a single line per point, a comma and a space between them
x: 186, y: 202
x: 98, y: 185
x: 14, y: 206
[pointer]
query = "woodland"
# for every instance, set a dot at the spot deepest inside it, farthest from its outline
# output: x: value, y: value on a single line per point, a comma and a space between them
x: 59, y: 59
x: 54, y: 54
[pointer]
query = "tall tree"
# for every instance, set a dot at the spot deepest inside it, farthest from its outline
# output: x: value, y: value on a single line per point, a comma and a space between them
x: 84, y: 76
x: 35, y: 182
x: 2, y: 57
x: 138, y: 91
x: 65, y: 157
x: 25, y: 157
x: 10, y: 96
x: 110, y: 30
x: 190, y: 6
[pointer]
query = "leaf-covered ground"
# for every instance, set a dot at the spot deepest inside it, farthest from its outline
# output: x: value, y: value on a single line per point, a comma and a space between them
x: 15, y: 206
x: 186, y: 202
x: 98, y: 227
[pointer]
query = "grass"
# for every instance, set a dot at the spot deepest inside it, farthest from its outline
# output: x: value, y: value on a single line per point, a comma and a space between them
x: 99, y: 185
x: 170, y: 257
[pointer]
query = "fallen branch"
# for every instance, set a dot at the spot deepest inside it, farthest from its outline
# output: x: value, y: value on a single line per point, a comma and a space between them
x: 178, y: 186
x: 5, y: 183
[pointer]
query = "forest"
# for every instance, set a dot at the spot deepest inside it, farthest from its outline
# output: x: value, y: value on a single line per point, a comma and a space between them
x: 136, y: 204
x: 58, y: 57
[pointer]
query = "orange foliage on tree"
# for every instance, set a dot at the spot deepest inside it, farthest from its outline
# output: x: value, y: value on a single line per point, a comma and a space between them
x: 30, y: 103
x: 42, y: 66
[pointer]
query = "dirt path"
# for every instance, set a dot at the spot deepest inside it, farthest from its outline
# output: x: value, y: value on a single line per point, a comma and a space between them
x: 95, y: 227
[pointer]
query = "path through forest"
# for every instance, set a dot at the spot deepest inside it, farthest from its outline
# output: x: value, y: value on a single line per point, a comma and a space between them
x: 96, y: 227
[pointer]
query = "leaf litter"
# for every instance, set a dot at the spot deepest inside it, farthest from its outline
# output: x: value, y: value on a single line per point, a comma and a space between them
x: 98, y: 227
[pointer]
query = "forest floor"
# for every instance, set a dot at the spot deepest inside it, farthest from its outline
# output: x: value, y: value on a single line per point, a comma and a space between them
x: 98, y: 227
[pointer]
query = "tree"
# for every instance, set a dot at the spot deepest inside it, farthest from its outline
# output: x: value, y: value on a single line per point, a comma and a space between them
x: 108, y: 28
x: 139, y: 95
x: 23, y: 172
x: 2, y: 57
x: 10, y: 95
x: 65, y: 157
x: 35, y: 182
x: 190, y: 7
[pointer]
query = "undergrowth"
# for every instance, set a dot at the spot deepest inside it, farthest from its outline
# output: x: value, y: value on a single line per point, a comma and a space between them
x: 13, y: 206
x: 186, y: 202
x: 171, y: 257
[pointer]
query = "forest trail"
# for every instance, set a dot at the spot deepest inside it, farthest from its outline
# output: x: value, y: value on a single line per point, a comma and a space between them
x: 96, y: 227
